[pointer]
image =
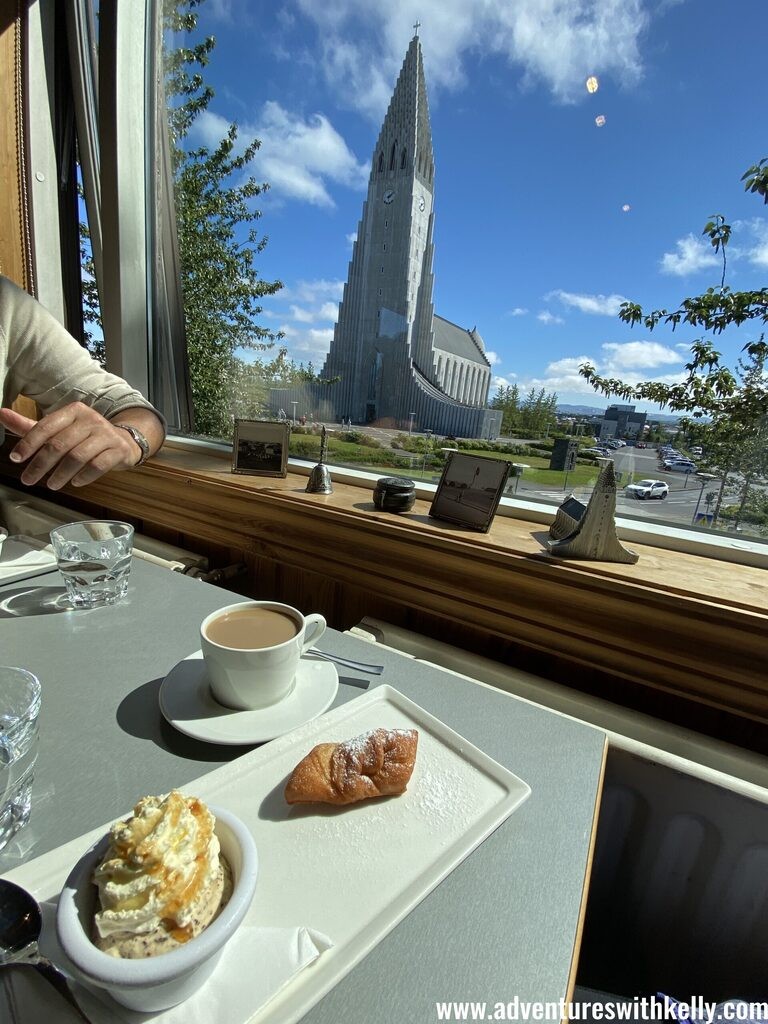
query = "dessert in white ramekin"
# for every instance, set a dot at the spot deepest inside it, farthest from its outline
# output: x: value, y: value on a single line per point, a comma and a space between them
x: 159, y: 982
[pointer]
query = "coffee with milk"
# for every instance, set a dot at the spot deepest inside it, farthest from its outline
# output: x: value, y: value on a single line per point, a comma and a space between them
x: 252, y: 628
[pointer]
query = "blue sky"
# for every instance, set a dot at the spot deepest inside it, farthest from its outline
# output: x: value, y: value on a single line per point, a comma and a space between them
x: 533, y: 241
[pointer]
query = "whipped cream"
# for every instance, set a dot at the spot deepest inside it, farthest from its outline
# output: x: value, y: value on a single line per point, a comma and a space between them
x: 159, y: 869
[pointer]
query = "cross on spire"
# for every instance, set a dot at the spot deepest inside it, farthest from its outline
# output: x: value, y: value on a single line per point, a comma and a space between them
x: 416, y: 27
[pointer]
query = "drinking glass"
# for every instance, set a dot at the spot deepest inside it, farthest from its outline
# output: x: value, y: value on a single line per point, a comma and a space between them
x: 19, y: 711
x: 94, y: 557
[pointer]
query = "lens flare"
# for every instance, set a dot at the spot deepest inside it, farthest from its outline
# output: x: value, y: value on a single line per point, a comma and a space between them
x: 600, y: 120
x: 626, y: 208
x: 592, y: 84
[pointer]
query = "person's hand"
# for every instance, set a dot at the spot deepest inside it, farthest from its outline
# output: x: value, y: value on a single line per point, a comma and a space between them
x: 75, y: 445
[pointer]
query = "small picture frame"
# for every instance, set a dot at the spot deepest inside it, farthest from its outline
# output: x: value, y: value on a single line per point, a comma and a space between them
x: 470, y: 490
x: 260, y: 447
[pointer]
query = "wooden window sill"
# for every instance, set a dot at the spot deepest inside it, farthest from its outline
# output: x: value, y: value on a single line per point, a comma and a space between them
x: 689, y: 626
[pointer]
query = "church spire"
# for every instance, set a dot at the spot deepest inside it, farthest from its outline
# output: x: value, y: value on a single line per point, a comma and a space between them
x: 404, y: 145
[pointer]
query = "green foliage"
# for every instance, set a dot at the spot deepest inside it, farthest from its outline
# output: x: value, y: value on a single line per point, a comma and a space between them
x: 214, y: 206
x: 728, y: 408
x: 533, y: 415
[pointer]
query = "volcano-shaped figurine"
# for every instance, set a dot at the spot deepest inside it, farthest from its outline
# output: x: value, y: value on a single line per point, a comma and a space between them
x: 594, y: 537
x: 320, y: 478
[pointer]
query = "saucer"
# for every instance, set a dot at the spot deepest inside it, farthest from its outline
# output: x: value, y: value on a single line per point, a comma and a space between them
x: 187, y: 704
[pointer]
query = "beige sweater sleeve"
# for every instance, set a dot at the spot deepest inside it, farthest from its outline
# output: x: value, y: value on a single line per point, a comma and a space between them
x: 41, y: 360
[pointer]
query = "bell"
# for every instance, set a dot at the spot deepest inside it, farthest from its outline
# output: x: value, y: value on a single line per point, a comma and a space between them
x: 319, y: 481
x: 320, y: 478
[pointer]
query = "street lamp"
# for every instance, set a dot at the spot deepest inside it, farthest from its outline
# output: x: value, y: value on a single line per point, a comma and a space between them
x: 427, y: 443
x: 294, y: 404
x: 705, y: 478
x: 518, y: 468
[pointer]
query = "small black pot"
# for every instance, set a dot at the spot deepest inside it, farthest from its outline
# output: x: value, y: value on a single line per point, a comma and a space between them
x: 394, y: 494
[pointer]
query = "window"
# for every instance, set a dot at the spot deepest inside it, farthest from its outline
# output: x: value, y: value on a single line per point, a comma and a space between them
x: 159, y: 291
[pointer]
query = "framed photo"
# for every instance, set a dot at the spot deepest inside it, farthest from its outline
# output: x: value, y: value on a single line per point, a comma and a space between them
x: 260, y: 447
x: 470, y: 490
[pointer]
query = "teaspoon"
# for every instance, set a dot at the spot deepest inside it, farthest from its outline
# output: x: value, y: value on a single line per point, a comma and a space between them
x: 20, y: 925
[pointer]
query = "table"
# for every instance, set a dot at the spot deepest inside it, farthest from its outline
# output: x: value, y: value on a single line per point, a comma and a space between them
x: 504, y: 923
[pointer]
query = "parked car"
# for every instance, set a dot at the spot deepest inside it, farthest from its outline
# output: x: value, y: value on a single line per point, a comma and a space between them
x: 680, y: 466
x: 648, y: 489
x: 601, y: 452
x: 640, y: 444
x: 698, y: 452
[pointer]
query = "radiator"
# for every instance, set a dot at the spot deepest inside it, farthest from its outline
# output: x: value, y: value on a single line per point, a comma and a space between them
x: 33, y: 516
x: 678, y: 899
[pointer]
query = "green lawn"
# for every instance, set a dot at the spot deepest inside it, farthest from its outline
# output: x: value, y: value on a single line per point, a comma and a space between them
x: 391, y: 460
x: 540, y: 473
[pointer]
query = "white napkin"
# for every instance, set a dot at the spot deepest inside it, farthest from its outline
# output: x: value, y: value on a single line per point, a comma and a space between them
x: 20, y: 552
x: 255, y: 965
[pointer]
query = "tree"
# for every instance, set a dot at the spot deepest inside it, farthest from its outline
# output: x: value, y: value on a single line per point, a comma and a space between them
x: 220, y: 283
x: 507, y: 398
x: 534, y: 414
x: 728, y: 408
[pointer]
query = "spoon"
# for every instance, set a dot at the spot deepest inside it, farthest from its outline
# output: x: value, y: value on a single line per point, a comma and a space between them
x: 361, y: 666
x: 20, y: 924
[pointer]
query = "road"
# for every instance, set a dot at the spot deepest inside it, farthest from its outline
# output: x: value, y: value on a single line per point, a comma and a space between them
x: 678, y: 507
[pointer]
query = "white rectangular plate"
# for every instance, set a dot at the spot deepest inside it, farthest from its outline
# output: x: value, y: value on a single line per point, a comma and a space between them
x: 351, y: 872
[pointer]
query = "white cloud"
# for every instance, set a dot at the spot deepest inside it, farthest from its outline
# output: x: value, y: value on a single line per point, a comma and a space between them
x: 328, y: 311
x: 549, y: 318
x: 493, y: 358
x: 313, y: 291
x: 323, y: 336
x: 221, y: 10
x: 305, y: 322
x: 554, y: 43
x: 757, y: 251
x: 307, y: 344
x: 299, y: 157
x: 602, y: 305
x: 517, y: 311
x: 636, y: 355
x: 562, y: 376
x: 628, y: 361
x: 352, y: 237
x: 304, y: 316
x: 691, y: 254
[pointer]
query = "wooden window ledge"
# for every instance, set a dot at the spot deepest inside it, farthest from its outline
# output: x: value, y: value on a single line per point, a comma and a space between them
x: 689, y: 626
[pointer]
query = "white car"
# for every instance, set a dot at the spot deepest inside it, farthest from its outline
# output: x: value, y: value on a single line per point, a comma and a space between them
x: 680, y: 466
x: 648, y: 489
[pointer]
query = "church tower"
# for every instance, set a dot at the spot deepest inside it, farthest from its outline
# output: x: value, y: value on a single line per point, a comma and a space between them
x: 393, y: 360
x: 385, y: 316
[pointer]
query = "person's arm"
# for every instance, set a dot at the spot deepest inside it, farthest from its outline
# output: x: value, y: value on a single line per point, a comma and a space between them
x: 78, y: 439
x: 77, y: 445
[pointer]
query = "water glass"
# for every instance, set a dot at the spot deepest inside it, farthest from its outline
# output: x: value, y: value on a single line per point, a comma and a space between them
x: 94, y: 557
x: 19, y: 711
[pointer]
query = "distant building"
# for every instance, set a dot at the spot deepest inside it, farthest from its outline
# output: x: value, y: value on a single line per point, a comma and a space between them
x: 399, y: 364
x: 622, y: 421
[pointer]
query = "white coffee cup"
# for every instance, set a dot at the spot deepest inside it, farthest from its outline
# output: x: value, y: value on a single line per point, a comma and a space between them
x: 247, y: 678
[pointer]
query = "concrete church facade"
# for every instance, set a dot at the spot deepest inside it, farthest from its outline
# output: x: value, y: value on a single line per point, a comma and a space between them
x: 397, y: 361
